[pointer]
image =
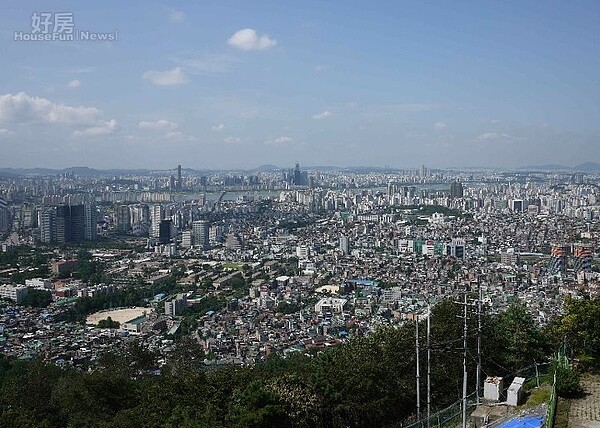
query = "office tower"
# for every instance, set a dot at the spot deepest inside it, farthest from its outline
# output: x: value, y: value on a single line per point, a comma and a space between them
x: 157, y: 214
x: 456, y: 248
x: 70, y: 223
x: 165, y: 231
x: 423, y: 171
x: 171, y: 183
x: 179, y: 186
x: 28, y: 216
x: 123, y: 218
x: 344, y: 245
x: 200, y: 233
x: 517, y: 205
x: 582, y: 254
x: 558, y: 258
x: 234, y: 242
x: 47, y: 222
x: 456, y: 190
x: 187, y: 239
x: 4, y: 217
x: 91, y: 221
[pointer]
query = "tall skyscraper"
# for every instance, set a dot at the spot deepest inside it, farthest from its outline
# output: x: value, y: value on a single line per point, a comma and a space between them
x: 70, y: 223
x: 47, y: 222
x: 165, y: 231
x: 4, y: 216
x: 91, y: 221
x: 123, y: 218
x: 179, y: 184
x: 456, y: 190
x: 200, y: 233
x: 157, y: 214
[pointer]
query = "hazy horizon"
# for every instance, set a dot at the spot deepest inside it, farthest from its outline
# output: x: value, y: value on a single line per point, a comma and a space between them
x: 238, y: 85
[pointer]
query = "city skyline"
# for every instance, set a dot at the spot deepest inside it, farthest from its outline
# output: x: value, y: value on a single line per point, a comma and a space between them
x: 232, y: 86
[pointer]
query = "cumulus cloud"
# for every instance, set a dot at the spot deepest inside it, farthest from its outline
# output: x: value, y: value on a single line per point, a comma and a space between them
x: 179, y: 136
x: 323, y: 115
x: 22, y: 108
x: 279, y: 141
x: 157, y: 124
x: 176, y: 16
x: 172, y: 77
x: 106, y: 128
x: 438, y: 126
x: 74, y: 84
x: 247, y: 39
x: 218, y: 128
x: 232, y: 140
x: 213, y: 63
x: 493, y: 136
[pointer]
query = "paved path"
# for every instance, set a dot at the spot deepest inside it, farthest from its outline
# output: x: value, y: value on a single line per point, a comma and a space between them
x: 585, y: 412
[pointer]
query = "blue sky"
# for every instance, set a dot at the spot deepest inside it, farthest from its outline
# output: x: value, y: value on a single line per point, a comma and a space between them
x: 237, y: 84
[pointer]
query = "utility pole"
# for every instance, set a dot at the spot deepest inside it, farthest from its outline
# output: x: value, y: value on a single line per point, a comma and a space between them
x: 464, y: 398
x: 418, y: 369
x: 428, y: 364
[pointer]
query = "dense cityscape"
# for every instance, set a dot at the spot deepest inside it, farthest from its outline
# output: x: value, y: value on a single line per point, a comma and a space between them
x: 280, y: 260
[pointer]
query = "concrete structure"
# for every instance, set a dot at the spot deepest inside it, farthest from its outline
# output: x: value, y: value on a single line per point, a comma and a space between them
x: 515, y: 392
x: 492, y: 388
x: 15, y: 293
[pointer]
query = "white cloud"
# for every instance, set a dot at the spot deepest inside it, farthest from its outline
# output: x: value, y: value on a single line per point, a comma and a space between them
x: 22, y: 108
x: 438, y: 126
x: 247, y: 39
x: 495, y: 121
x: 105, y: 128
x: 493, y: 136
x: 176, y: 16
x: 232, y: 140
x: 321, y: 68
x: 74, y: 84
x: 157, y: 124
x: 178, y: 135
x: 279, y: 141
x: 218, y: 128
x: 323, y: 115
x: 166, y: 78
x: 5, y: 132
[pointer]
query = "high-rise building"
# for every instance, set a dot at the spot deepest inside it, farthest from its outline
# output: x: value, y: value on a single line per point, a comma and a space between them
x: 91, y: 221
x: 456, y: 248
x: 123, y: 218
x: 179, y: 184
x: 558, y: 258
x: 4, y: 216
x: 157, y: 214
x: 165, y: 231
x: 70, y: 223
x: 582, y: 254
x: 456, y: 190
x: 47, y: 222
x: 200, y: 233
x: 344, y: 245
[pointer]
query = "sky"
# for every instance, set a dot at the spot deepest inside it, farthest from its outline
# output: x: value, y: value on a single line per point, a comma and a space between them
x: 238, y: 84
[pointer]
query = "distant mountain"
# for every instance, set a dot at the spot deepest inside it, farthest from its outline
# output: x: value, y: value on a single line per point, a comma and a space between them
x: 548, y: 167
x: 266, y: 168
x: 587, y: 167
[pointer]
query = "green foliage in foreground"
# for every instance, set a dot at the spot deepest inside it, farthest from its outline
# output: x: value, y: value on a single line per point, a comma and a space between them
x: 369, y: 381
